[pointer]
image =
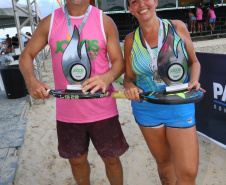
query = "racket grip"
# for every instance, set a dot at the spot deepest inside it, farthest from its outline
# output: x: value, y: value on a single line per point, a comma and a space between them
x: 49, y: 91
x: 118, y: 95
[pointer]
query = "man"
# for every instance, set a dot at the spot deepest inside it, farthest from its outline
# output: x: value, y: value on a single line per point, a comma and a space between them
x: 80, y: 120
x: 8, y: 41
x: 15, y: 41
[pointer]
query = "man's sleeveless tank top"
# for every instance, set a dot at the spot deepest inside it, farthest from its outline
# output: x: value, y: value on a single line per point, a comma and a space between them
x: 145, y: 112
x: 81, y: 111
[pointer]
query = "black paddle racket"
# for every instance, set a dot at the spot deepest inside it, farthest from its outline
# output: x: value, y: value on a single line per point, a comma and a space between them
x: 76, y: 94
x: 167, y: 98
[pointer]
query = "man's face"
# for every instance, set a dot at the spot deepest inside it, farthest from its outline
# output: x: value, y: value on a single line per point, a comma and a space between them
x: 78, y: 2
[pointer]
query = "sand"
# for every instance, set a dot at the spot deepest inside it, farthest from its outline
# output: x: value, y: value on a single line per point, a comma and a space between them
x: 40, y: 164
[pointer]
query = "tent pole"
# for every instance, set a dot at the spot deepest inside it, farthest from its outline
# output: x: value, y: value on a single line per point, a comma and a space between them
x: 17, y: 21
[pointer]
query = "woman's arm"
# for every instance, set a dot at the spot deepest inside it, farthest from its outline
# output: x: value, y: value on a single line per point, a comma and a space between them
x: 131, y: 90
x: 193, y: 63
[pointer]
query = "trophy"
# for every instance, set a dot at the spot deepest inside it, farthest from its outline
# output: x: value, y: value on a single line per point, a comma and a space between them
x: 172, y: 68
x: 76, y: 67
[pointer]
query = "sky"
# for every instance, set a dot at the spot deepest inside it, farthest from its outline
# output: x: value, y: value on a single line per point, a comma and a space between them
x: 46, y: 8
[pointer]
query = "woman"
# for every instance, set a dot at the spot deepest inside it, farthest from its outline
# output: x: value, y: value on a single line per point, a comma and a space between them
x: 169, y: 130
x: 212, y: 17
x: 192, y: 20
x: 199, y: 14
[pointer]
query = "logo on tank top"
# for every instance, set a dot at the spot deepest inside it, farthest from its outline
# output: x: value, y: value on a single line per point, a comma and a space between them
x: 92, y: 49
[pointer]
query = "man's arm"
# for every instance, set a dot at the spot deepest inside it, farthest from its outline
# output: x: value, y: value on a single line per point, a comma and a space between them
x: 38, y: 41
x: 115, y: 54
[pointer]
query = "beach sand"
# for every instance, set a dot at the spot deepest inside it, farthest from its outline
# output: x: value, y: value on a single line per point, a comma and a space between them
x: 40, y: 164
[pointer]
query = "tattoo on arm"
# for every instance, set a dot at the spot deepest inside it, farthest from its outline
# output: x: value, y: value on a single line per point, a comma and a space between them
x: 164, y: 179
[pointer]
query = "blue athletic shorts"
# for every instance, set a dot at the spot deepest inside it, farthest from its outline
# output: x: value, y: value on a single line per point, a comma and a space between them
x: 212, y: 20
x: 193, y: 18
x: 186, y: 123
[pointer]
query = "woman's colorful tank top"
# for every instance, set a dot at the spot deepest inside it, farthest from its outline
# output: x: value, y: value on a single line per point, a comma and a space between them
x: 81, y: 111
x: 144, y: 80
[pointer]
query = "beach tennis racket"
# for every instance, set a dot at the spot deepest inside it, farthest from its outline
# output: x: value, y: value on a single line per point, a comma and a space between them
x: 167, y: 98
x: 75, y: 94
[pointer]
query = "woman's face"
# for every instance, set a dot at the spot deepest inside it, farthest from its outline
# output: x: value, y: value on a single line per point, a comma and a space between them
x: 143, y: 9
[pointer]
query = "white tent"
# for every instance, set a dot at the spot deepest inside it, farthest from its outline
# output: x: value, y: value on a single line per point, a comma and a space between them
x: 7, y: 19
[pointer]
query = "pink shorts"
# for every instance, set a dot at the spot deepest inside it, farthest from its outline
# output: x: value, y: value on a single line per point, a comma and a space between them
x: 106, y: 135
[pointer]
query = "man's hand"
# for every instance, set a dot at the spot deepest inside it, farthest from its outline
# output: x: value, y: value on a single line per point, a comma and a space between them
x: 102, y: 81
x: 38, y: 89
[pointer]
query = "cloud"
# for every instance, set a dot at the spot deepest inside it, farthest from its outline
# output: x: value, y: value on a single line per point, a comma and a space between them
x: 47, y: 6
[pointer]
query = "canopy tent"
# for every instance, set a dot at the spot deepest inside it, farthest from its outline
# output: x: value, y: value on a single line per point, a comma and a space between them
x: 7, y: 19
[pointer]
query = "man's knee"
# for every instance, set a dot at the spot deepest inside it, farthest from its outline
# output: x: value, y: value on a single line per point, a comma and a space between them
x: 111, y: 161
x: 78, y: 161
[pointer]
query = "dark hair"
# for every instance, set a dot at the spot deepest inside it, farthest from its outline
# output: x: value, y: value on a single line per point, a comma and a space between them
x: 212, y: 6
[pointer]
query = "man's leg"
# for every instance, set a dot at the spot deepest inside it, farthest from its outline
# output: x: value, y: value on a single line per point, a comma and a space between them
x: 114, y: 170
x: 81, y: 170
x: 110, y: 143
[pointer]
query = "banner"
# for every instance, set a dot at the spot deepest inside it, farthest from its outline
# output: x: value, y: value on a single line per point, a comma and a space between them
x: 166, y: 4
x: 182, y: 3
x: 211, y: 111
x: 111, y: 5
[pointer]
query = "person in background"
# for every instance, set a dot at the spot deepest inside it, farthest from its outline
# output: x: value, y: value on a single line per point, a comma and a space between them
x: 79, y: 121
x: 8, y: 41
x: 15, y: 41
x: 169, y: 130
x: 211, y: 17
x: 192, y: 20
x: 27, y: 39
x: 199, y: 14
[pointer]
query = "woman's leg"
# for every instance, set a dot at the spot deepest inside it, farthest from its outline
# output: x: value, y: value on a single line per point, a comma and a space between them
x: 211, y: 26
x: 192, y: 23
x: 194, y: 26
x: 184, y: 145
x: 160, y: 149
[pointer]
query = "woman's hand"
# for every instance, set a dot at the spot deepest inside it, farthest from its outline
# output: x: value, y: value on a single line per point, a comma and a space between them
x: 132, y: 93
x: 195, y: 85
